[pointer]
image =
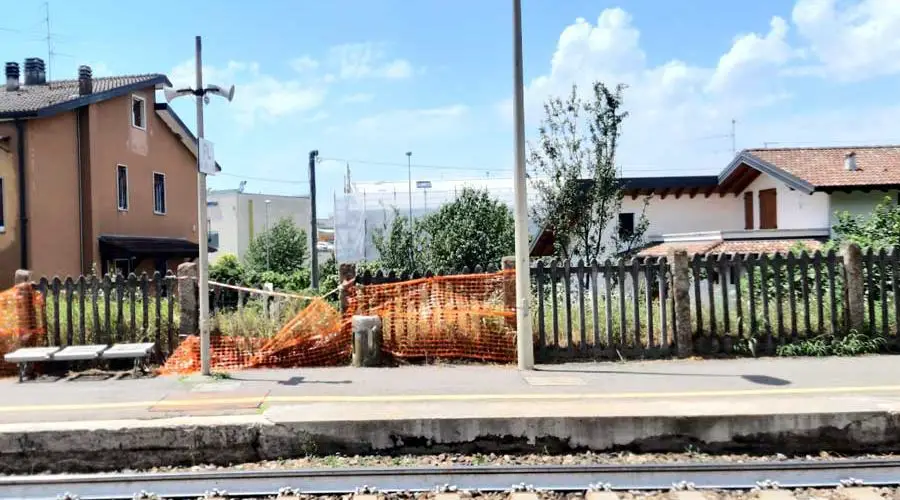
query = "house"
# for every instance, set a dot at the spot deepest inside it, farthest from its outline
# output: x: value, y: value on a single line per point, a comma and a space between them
x: 94, y: 174
x: 236, y: 217
x: 764, y: 201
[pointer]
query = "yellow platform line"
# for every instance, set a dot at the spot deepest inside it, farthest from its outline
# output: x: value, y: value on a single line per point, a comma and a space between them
x: 418, y: 398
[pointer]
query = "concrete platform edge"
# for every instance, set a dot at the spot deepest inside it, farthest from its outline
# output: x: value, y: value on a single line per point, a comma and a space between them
x: 185, y: 441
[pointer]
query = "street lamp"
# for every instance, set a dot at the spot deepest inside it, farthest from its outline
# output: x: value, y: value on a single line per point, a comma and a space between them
x: 524, y: 341
x: 205, y: 165
x: 411, y: 236
x: 268, y: 237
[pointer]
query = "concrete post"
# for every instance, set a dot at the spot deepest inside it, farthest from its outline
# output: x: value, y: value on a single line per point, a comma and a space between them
x: 25, y: 313
x: 188, y: 299
x: 854, y: 288
x: 509, y: 288
x: 681, y: 293
x: 346, y: 273
x: 367, y: 339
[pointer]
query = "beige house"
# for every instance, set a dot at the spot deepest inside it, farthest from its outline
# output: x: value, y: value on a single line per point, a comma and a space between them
x: 94, y: 174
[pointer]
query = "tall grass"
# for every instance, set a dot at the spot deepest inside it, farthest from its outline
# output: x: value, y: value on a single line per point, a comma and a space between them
x: 116, y: 326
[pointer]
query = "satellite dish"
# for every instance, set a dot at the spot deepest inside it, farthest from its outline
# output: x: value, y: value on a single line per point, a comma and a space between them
x: 241, y: 186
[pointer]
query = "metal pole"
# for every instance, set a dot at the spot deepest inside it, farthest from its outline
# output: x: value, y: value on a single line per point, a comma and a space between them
x: 313, y: 223
x: 412, y: 236
x: 268, y: 238
x: 524, y: 340
x: 203, y: 264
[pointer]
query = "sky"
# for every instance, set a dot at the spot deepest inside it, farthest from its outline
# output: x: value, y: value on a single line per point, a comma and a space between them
x: 365, y: 81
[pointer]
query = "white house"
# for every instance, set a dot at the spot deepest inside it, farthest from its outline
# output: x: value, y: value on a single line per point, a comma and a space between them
x: 764, y: 201
x: 236, y: 217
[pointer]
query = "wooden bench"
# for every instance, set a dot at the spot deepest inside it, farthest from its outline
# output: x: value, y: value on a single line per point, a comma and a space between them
x: 25, y: 356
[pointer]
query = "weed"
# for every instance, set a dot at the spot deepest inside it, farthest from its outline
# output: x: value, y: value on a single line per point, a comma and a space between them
x: 853, y: 344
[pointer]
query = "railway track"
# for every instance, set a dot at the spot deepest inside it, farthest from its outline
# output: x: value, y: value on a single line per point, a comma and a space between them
x: 646, y: 477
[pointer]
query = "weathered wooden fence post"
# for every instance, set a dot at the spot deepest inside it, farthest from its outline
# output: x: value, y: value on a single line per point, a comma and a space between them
x: 26, y: 316
x: 346, y: 273
x: 854, y: 288
x: 187, y: 299
x: 681, y: 285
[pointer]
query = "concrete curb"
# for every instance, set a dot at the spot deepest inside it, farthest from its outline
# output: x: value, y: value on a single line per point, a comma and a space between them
x: 140, y: 444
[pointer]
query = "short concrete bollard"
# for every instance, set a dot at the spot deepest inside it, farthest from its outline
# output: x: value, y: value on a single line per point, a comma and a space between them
x: 366, y: 341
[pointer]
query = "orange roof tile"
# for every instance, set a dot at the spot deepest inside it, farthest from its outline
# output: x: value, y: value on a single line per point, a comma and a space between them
x: 730, y: 247
x: 824, y: 167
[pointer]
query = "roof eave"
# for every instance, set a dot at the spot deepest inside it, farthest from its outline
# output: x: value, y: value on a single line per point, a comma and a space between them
x: 175, y: 123
x: 745, y: 157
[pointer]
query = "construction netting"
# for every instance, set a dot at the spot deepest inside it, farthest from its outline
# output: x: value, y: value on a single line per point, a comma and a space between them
x: 468, y: 317
x: 317, y: 336
x: 20, y: 326
x: 464, y: 317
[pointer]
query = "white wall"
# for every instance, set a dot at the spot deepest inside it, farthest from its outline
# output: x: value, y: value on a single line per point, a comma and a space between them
x: 858, y: 203
x: 796, y: 210
x: 222, y: 213
x: 686, y: 214
x: 232, y: 218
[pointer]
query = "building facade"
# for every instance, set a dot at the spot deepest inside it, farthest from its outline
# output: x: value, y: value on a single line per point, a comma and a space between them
x: 95, y: 175
x: 236, y: 217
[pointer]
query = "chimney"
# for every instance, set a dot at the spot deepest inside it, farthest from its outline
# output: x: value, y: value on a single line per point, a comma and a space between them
x: 12, y: 76
x: 85, y: 80
x: 850, y: 162
x: 35, y: 71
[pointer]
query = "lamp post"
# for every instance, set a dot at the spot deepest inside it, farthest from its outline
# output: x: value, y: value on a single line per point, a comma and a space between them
x: 409, y: 173
x: 205, y: 164
x: 524, y: 341
x: 268, y: 237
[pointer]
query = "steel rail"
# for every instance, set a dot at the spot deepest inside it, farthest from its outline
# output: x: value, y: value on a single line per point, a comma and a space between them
x: 787, y: 474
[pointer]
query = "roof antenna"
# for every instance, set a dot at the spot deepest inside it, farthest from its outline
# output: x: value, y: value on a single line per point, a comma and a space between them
x: 733, y: 134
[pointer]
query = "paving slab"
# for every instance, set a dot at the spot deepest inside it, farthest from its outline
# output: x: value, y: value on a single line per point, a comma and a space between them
x: 768, y: 405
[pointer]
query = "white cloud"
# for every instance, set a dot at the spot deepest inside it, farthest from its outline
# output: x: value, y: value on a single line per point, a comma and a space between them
x: 751, y: 53
x: 852, y: 40
x: 402, y: 128
x: 305, y: 63
x: 257, y: 95
x: 367, y: 60
x: 671, y: 104
x: 357, y: 98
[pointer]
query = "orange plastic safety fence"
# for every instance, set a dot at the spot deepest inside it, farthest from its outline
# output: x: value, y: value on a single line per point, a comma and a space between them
x: 445, y: 317
x: 20, y: 326
x: 315, y: 337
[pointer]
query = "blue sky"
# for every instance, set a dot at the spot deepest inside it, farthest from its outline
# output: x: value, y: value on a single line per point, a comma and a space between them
x: 370, y: 80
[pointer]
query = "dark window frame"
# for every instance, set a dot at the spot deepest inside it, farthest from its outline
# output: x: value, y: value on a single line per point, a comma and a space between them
x: 122, y: 203
x: 159, y: 200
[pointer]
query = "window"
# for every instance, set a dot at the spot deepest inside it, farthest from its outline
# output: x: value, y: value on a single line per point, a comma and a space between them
x: 159, y: 193
x: 748, y: 210
x: 138, y: 112
x: 2, y: 208
x: 768, y: 209
x: 122, y: 186
x: 626, y: 225
x: 121, y: 267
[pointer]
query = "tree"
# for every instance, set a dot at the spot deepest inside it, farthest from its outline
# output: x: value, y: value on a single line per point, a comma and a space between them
x: 282, y: 249
x: 399, y: 243
x: 475, y: 229
x: 577, y: 183
x: 880, y: 229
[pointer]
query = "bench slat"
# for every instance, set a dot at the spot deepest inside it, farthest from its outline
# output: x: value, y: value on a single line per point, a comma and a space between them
x: 30, y: 354
x: 80, y: 352
x: 131, y: 350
